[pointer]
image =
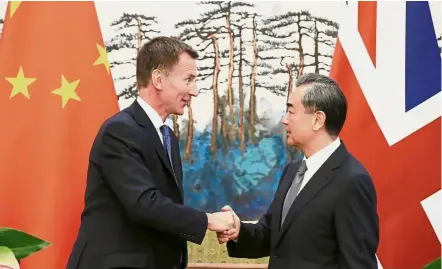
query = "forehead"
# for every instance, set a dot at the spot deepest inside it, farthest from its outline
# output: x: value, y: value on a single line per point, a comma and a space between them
x: 297, y: 94
x: 186, y: 64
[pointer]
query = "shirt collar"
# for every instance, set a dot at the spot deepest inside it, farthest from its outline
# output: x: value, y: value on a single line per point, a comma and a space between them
x: 315, y: 161
x: 151, y: 113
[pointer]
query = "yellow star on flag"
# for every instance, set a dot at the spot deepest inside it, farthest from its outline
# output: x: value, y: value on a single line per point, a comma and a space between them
x: 14, y: 6
x: 20, y: 84
x: 102, y: 59
x: 67, y: 91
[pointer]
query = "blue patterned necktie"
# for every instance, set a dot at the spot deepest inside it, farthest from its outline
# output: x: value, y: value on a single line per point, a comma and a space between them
x: 167, y: 141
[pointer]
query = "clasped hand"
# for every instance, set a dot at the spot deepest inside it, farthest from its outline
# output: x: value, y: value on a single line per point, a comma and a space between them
x: 225, y: 223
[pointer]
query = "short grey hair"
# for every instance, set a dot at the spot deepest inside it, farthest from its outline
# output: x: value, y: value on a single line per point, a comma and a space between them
x: 325, y: 95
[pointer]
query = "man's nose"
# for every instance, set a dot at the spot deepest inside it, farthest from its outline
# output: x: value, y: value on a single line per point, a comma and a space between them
x: 193, y: 91
x: 284, y: 119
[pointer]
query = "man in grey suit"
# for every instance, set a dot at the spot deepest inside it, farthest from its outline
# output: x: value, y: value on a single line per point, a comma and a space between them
x: 323, y: 215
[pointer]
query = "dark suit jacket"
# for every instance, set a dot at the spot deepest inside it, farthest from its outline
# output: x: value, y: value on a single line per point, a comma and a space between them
x: 333, y: 223
x: 134, y: 214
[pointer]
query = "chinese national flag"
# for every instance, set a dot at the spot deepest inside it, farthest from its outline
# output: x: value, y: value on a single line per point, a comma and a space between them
x: 405, y: 173
x: 55, y: 91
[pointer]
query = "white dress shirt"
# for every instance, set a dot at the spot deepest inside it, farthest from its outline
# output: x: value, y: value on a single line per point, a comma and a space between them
x: 153, y: 116
x: 315, y: 161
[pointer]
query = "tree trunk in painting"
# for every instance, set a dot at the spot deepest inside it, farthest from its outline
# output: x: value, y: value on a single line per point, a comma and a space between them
x: 242, y: 137
x: 188, y: 150
x: 289, y: 91
x: 291, y: 79
x: 252, y: 102
x: 215, y: 95
x: 176, y: 126
x: 300, y: 49
x: 232, y: 129
x: 316, y: 49
x: 224, y: 120
x: 140, y: 38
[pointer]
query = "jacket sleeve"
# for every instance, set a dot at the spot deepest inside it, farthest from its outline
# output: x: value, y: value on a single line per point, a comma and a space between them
x: 254, y: 238
x: 357, y: 224
x: 124, y: 170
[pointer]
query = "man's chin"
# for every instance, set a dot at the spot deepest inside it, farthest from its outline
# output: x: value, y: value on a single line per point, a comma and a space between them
x: 180, y: 112
x: 290, y: 142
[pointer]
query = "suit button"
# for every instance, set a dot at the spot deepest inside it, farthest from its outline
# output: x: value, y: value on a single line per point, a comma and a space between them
x: 275, y: 256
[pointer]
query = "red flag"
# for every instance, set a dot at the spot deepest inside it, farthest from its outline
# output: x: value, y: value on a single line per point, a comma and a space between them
x: 55, y: 91
x: 404, y: 161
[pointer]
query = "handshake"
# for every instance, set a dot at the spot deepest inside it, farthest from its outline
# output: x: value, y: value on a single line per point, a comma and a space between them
x: 226, y: 224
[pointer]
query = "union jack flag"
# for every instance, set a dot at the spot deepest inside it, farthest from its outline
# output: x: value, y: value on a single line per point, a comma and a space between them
x: 388, y: 63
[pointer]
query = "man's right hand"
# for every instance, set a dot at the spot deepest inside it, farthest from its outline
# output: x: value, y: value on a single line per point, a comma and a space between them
x: 231, y: 234
x: 220, y: 221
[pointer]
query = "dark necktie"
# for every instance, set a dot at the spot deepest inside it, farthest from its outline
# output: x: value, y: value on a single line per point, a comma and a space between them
x: 167, y: 141
x: 293, y: 191
x: 167, y: 144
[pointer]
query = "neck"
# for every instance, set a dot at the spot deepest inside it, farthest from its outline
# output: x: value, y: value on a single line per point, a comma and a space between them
x: 150, y: 96
x: 317, y: 143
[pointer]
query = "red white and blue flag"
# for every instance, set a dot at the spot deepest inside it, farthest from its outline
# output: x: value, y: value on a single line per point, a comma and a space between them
x: 388, y: 64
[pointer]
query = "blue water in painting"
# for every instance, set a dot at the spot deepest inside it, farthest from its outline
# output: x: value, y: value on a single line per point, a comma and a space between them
x: 246, y: 183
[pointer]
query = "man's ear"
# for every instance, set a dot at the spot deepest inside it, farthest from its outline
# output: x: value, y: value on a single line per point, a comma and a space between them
x: 319, y: 120
x: 157, y: 79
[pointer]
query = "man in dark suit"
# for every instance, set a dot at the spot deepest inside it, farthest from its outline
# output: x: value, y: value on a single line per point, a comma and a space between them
x: 134, y: 215
x: 323, y: 215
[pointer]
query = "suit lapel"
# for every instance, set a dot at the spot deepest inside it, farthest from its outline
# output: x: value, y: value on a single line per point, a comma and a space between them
x: 176, y: 160
x: 316, y: 184
x: 143, y: 120
x: 285, y: 186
